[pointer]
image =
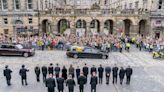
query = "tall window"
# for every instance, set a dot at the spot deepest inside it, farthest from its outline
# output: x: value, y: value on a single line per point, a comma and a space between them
x: 125, y: 6
x: 5, y: 20
x: 5, y: 4
x: 29, y: 4
x: 160, y: 4
x: 17, y: 4
x: 136, y: 4
x: 130, y: 5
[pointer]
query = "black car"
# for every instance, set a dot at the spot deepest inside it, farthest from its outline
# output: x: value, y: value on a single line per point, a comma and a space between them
x: 87, y: 52
x: 16, y: 50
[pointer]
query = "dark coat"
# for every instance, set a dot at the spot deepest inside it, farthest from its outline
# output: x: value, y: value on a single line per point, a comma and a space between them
x: 115, y: 71
x: 100, y: 70
x: 51, y: 70
x: 122, y: 73
x: 85, y: 70
x: 93, y: 69
x: 44, y: 70
x: 107, y: 71
x: 70, y: 83
x: 57, y: 70
x: 37, y: 70
x: 77, y: 72
x: 81, y: 81
x: 7, y: 73
x: 129, y: 71
x: 23, y: 73
x: 64, y: 73
x: 50, y: 83
x: 93, y: 82
x: 60, y: 82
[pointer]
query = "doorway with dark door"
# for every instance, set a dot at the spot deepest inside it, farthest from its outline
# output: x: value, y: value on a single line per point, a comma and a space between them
x: 157, y: 35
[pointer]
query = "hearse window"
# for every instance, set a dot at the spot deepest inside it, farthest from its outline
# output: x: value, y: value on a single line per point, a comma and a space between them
x: 8, y: 47
x: 87, y: 50
x: 3, y: 46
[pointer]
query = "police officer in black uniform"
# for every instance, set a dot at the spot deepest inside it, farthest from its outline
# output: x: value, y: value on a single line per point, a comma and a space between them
x: 60, y: 83
x: 85, y: 71
x: 107, y: 73
x: 129, y: 72
x: 100, y: 71
x: 37, y: 72
x: 77, y: 72
x: 81, y: 81
x: 7, y: 73
x: 51, y: 69
x: 70, y: 83
x: 50, y: 83
x: 44, y: 72
x: 93, y: 82
x: 23, y: 73
x: 93, y: 69
x: 57, y: 70
x: 115, y: 73
x: 121, y: 75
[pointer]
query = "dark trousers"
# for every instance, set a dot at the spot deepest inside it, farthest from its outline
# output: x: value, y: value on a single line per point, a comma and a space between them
x: 57, y: 75
x: 51, y: 89
x: 24, y: 80
x: 44, y: 78
x: 114, y: 79
x: 8, y: 82
x: 86, y: 77
x: 107, y: 79
x: 60, y: 90
x: 100, y: 80
x: 81, y: 88
x: 121, y: 81
x: 93, y: 89
x: 70, y: 90
x: 120, y: 50
x: 38, y: 78
x: 128, y: 78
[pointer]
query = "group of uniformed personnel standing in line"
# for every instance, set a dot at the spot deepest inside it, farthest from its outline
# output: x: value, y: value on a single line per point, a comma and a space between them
x: 81, y: 75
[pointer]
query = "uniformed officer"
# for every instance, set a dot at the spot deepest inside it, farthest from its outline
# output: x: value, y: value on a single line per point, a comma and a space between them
x: 37, y: 72
x: 115, y: 73
x: 71, y: 71
x: 93, y: 69
x: 85, y: 71
x: 121, y: 75
x: 23, y: 73
x: 93, y: 82
x: 70, y: 83
x: 60, y: 83
x: 57, y: 70
x: 107, y: 73
x: 51, y: 69
x: 7, y: 73
x: 101, y: 71
x: 77, y: 72
x: 44, y: 72
x: 129, y: 72
x: 50, y: 83
x: 81, y: 81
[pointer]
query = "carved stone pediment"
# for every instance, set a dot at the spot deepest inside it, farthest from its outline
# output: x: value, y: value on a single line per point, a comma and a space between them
x: 95, y: 7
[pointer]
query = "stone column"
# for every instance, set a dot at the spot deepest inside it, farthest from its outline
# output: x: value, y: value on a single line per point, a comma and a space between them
x: 87, y: 31
x: 101, y: 27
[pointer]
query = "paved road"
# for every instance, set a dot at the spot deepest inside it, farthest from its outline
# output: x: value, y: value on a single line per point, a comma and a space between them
x: 147, y: 77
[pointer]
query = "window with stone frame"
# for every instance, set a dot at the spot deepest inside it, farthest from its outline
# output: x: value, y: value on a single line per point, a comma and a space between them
x: 30, y: 4
x: 160, y: 4
x: 6, y: 31
x: 30, y: 20
x: 17, y: 5
x: 5, y: 20
x: 5, y: 4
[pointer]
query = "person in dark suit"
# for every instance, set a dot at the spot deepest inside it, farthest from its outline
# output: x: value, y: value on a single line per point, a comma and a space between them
x: 57, y: 70
x: 51, y: 69
x: 115, y: 73
x: 60, y: 83
x: 129, y: 72
x: 64, y: 73
x: 71, y: 71
x: 85, y: 71
x: 50, y: 83
x: 70, y: 83
x: 77, y: 72
x: 121, y: 75
x: 7, y: 73
x: 107, y: 73
x: 81, y: 81
x: 100, y: 71
x: 37, y: 72
x: 23, y: 74
x: 44, y: 72
x: 93, y: 82
x: 93, y: 69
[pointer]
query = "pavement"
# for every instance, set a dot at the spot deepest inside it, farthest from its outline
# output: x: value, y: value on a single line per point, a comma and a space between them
x: 147, y: 72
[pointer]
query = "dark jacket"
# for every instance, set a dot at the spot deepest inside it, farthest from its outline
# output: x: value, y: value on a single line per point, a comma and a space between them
x: 44, y: 70
x: 37, y: 70
x: 70, y: 83
x: 85, y: 70
x: 50, y: 83
x: 93, y: 82
x: 100, y: 70
x: 122, y: 73
x: 60, y: 82
x: 81, y: 81
x: 129, y: 71
x: 107, y: 71
x: 57, y: 70
x: 64, y: 73
x: 93, y: 69
x: 7, y: 73
x: 115, y: 71
x: 77, y: 72
x: 23, y: 73
x: 51, y: 70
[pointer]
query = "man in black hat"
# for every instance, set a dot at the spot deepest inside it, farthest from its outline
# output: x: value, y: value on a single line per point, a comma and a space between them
x: 50, y: 83
x: 70, y: 83
x: 107, y: 73
x: 81, y: 81
x: 37, y: 72
x: 115, y: 73
x: 44, y: 72
x: 60, y: 83
x: 93, y: 69
x: 129, y: 72
x: 85, y: 71
x: 121, y: 75
x: 51, y: 69
x: 100, y: 71
x: 23, y: 74
x: 93, y: 82
x: 57, y: 70
x: 7, y: 73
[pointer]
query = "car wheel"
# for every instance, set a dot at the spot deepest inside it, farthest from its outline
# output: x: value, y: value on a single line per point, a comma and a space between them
x: 25, y: 54
x: 104, y: 57
x: 75, y: 56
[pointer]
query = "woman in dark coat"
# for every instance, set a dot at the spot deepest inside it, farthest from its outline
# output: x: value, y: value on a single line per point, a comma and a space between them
x: 64, y: 73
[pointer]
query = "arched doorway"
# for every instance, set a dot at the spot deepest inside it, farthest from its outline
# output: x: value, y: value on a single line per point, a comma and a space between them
x: 45, y: 26
x: 127, y: 26
x: 142, y: 27
x: 80, y: 27
x: 108, y: 25
x: 95, y: 26
x: 63, y: 24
